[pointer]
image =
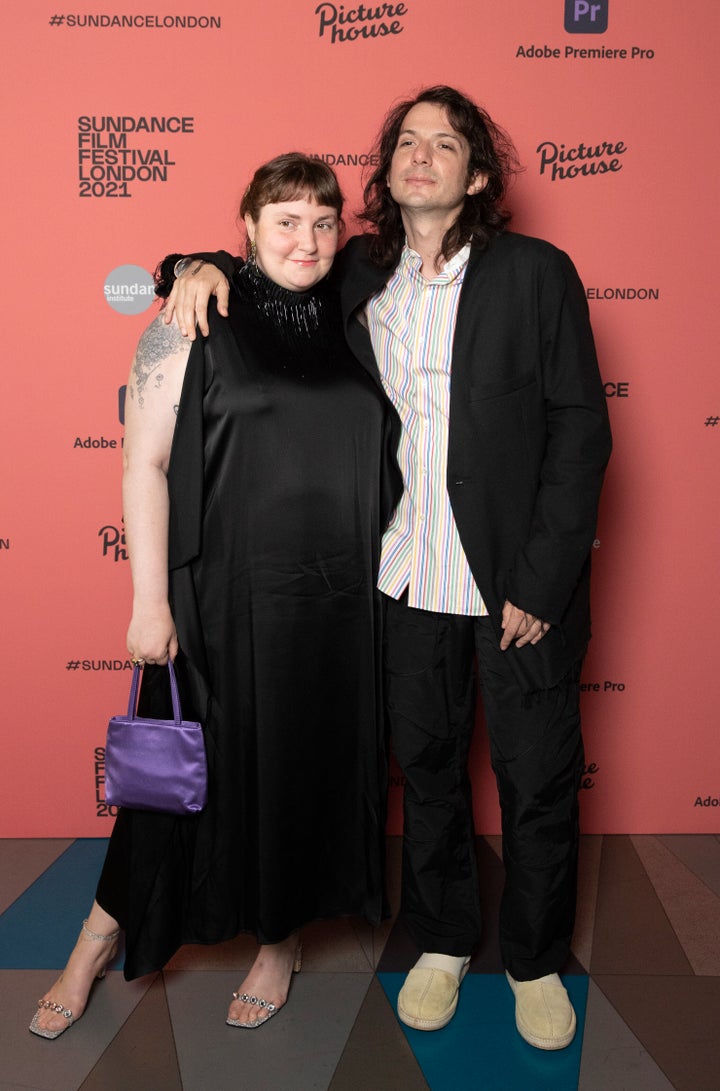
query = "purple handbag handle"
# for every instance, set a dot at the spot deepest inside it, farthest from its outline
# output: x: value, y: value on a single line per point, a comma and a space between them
x: 135, y: 685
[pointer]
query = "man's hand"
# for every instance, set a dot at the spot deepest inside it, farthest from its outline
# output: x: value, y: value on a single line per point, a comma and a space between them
x: 188, y: 300
x: 521, y: 627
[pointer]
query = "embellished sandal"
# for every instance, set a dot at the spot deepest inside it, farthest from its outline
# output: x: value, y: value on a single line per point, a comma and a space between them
x: 51, y: 1005
x: 268, y: 1009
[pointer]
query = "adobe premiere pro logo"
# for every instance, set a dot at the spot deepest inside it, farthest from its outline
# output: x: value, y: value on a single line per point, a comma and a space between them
x: 586, y: 16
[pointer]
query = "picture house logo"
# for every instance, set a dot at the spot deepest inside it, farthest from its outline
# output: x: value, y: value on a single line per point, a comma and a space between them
x: 589, y: 773
x: 586, y: 16
x: 129, y: 289
x: 340, y: 24
x: 562, y: 161
x: 113, y: 542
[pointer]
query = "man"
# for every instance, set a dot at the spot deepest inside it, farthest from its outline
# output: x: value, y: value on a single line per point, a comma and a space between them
x: 483, y: 345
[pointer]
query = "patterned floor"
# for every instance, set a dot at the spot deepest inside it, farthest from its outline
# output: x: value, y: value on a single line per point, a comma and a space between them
x: 645, y: 981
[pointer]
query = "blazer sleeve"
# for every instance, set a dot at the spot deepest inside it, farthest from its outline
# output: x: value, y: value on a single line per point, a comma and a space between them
x: 165, y: 272
x: 550, y: 563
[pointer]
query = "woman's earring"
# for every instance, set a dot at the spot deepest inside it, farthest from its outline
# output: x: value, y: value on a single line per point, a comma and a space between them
x: 253, y: 252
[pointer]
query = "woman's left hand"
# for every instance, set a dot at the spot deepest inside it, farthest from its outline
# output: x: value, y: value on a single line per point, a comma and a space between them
x: 152, y: 637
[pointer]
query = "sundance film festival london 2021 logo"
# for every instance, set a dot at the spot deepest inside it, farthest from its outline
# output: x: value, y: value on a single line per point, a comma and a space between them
x: 115, y: 153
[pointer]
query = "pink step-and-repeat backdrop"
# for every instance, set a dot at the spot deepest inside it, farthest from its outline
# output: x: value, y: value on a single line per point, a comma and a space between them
x: 130, y: 131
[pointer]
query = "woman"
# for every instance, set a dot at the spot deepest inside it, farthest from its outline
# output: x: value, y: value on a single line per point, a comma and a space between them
x: 258, y: 477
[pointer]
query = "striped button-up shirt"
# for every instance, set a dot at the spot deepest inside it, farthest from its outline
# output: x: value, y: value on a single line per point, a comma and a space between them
x: 412, y: 324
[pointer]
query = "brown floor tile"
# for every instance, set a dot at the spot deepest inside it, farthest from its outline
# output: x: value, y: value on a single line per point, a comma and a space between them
x: 22, y: 861
x: 676, y: 1019
x: 491, y: 877
x: 612, y: 1057
x: 693, y: 909
x: 377, y: 1056
x: 399, y: 953
x: 373, y: 939
x: 142, y: 1055
x: 494, y: 840
x: 588, y: 879
x: 589, y: 867
x: 235, y: 954
x: 700, y: 853
x: 632, y: 934
x: 334, y: 947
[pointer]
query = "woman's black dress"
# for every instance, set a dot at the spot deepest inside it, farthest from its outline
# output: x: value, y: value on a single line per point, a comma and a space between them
x: 281, y: 481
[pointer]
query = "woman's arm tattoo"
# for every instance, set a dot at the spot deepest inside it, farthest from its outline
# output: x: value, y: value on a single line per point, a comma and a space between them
x: 156, y: 344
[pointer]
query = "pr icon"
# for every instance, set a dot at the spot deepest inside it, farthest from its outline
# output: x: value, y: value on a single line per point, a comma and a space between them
x: 586, y: 16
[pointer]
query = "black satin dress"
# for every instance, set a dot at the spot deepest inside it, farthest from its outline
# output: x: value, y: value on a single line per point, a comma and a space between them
x: 281, y: 481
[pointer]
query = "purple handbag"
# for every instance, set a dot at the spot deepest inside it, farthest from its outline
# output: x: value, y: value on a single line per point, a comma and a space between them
x: 155, y: 765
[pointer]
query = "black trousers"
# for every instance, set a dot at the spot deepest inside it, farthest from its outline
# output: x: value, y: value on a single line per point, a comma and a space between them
x: 537, y: 757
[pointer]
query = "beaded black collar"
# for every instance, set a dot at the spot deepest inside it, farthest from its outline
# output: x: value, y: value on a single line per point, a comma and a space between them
x: 294, y: 315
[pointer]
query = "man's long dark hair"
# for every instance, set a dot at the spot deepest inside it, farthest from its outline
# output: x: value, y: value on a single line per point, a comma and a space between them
x: 481, y: 217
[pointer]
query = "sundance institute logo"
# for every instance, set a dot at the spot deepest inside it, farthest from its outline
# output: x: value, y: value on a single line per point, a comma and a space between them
x: 129, y: 289
x: 341, y: 24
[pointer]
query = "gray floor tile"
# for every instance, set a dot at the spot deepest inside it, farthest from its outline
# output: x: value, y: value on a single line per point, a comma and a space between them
x: 612, y: 1057
x: 693, y: 909
x: 298, y: 1049
x: 22, y: 860
x: 63, y: 1064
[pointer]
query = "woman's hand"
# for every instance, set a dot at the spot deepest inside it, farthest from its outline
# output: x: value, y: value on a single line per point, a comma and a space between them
x: 190, y: 295
x: 151, y: 636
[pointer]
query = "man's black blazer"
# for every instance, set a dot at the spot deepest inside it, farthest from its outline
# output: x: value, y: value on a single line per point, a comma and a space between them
x: 529, y: 436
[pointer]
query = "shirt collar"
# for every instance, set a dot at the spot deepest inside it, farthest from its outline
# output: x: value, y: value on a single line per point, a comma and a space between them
x: 411, y: 262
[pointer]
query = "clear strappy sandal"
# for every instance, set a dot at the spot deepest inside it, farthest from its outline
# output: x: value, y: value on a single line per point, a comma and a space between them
x: 52, y: 1005
x: 267, y: 1008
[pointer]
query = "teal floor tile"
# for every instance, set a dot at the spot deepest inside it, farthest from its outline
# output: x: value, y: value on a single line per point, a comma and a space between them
x: 481, y: 1048
x: 39, y: 929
